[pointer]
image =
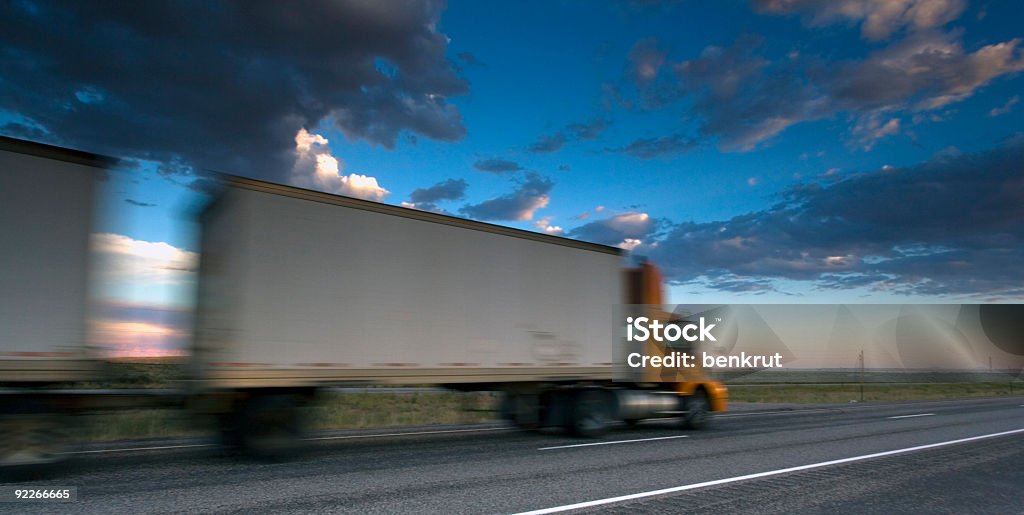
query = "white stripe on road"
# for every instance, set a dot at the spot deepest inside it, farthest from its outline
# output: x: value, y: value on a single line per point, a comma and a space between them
x: 611, y: 443
x: 912, y: 416
x: 694, y: 486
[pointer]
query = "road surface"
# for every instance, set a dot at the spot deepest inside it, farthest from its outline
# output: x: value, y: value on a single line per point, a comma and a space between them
x: 959, y: 456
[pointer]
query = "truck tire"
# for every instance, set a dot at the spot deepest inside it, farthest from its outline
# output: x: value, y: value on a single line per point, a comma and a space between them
x: 270, y: 427
x: 229, y: 434
x: 591, y: 413
x: 34, y: 440
x: 698, y: 411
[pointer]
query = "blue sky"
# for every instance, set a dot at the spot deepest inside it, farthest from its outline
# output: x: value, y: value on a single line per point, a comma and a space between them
x: 763, y: 151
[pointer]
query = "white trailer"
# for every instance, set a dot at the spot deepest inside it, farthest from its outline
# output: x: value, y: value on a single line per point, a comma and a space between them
x: 47, y: 203
x: 300, y: 289
x: 46, y: 209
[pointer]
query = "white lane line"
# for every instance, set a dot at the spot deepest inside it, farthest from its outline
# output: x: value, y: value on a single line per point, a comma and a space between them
x: 411, y: 433
x: 694, y: 486
x: 611, y: 443
x: 129, y: 449
x: 912, y: 416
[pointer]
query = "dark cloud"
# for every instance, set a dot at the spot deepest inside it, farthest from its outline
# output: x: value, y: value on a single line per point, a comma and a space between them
x: 589, y: 130
x: 426, y: 199
x: 747, y: 285
x: 878, y: 20
x: 529, y: 196
x: 951, y: 225
x: 645, y: 61
x: 548, y: 143
x: 742, y: 97
x: 139, y: 204
x: 618, y: 229
x: 574, y: 131
x: 24, y: 131
x: 451, y: 189
x: 497, y: 166
x: 925, y: 71
x: 649, y: 148
x: 226, y: 86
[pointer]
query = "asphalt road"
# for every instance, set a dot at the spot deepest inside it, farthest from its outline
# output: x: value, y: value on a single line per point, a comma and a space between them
x: 963, y: 456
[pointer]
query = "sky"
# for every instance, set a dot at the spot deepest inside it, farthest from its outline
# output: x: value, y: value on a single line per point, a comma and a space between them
x: 763, y: 151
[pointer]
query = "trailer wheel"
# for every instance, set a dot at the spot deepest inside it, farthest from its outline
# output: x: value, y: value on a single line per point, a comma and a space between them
x: 33, y: 438
x: 698, y: 411
x: 228, y: 431
x: 271, y: 427
x: 591, y: 413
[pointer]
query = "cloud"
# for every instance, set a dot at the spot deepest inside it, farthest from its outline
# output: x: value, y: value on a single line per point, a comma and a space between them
x: 226, y: 87
x: 426, y: 199
x: 870, y: 128
x: 645, y: 61
x: 922, y: 72
x: 137, y: 339
x: 547, y: 143
x: 497, y: 166
x: 649, y: 148
x: 879, y: 19
x: 949, y: 226
x: 574, y: 131
x: 626, y: 230
x: 138, y: 204
x: 519, y: 205
x: 316, y: 168
x: 138, y: 271
x: 152, y: 261
x: 744, y: 99
x: 123, y: 329
x: 1005, y: 108
x: 544, y: 224
x: 589, y: 130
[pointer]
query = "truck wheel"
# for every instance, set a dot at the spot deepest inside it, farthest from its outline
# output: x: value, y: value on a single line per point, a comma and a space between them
x: 698, y: 411
x: 33, y: 439
x: 591, y: 413
x: 271, y: 427
x: 228, y: 431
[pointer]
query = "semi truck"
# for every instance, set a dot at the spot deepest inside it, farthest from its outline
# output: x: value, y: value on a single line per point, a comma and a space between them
x: 300, y: 290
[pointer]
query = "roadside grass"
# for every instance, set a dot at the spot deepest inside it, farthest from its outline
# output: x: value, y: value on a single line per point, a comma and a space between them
x: 378, y: 410
x: 333, y: 411
x: 836, y: 393
x: 355, y: 410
